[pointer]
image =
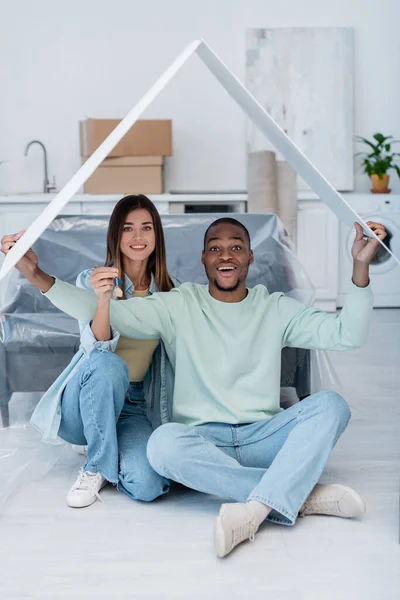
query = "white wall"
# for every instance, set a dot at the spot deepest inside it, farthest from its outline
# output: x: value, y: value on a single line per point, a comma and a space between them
x: 63, y: 61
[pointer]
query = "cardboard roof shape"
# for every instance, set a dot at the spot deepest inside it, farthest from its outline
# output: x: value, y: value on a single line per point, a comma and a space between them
x: 250, y: 107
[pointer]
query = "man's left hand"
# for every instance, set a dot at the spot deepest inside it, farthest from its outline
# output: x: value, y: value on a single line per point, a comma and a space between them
x: 364, y: 249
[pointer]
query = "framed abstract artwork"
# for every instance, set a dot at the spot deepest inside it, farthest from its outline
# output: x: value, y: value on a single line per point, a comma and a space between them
x: 303, y: 77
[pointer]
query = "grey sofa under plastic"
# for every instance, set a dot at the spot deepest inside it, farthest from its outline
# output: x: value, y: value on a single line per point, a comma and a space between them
x: 37, y: 341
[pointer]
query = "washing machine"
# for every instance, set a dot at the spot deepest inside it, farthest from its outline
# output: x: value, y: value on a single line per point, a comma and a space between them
x: 384, y: 271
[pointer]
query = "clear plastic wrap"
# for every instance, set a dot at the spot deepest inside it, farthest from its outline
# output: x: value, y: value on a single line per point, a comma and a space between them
x: 37, y: 341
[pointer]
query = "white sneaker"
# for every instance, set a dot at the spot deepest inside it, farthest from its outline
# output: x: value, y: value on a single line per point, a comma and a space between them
x: 335, y: 500
x: 86, y: 489
x: 234, y: 524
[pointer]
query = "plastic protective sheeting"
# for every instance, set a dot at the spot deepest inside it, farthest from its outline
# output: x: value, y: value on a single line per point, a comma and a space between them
x: 25, y: 458
x: 37, y: 341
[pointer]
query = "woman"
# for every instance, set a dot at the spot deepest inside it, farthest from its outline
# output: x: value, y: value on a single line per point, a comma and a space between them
x: 106, y: 399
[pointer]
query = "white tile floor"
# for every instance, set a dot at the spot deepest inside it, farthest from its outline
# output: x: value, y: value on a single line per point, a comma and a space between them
x: 121, y: 549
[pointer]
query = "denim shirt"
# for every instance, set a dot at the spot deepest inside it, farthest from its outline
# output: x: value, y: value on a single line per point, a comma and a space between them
x: 158, y: 383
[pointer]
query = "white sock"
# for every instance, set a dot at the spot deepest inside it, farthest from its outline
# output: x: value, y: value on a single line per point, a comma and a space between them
x: 259, y: 510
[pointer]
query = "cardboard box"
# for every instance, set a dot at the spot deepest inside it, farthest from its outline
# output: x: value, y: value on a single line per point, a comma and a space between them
x: 127, y: 175
x: 145, y: 138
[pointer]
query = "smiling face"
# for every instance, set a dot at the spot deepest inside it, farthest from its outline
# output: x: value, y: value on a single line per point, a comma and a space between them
x: 227, y: 257
x: 138, y: 239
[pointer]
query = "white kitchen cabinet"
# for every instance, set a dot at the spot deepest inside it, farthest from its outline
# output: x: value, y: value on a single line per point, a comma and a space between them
x: 15, y: 216
x: 106, y: 208
x: 318, y: 250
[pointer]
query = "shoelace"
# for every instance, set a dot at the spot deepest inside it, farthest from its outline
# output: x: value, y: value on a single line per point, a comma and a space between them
x: 246, y: 531
x: 87, y: 482
x: 321, y: 506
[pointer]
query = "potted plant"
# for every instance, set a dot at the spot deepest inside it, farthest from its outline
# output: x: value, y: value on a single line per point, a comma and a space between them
x: 378, y: 160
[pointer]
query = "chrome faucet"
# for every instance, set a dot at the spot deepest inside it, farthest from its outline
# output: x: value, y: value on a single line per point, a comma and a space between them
x: 47, y: 187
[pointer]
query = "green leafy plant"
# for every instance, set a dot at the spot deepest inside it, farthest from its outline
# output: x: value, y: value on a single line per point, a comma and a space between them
x: 379, y: 159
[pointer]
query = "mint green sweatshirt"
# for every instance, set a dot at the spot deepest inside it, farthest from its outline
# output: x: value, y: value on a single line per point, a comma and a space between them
x: 226, y: 356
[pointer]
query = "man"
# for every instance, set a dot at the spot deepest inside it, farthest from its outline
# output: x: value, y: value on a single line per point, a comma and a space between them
x: 228, y: 435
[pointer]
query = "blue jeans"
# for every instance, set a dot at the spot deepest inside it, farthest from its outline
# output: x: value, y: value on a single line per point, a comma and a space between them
x: 277, y: 461
x: 102, y: 410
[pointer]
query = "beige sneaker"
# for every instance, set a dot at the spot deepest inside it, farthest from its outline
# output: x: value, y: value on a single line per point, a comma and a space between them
x: 335, y: 500
x: 234, y: 524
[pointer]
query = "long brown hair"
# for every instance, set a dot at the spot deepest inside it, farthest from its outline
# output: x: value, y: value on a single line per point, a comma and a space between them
x: 157, y: 262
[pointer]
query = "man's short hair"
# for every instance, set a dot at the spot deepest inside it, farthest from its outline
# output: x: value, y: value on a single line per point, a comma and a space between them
x: 229, y: 221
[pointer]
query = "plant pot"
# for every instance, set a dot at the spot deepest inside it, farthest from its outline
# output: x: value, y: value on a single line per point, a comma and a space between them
x: 380, y: 186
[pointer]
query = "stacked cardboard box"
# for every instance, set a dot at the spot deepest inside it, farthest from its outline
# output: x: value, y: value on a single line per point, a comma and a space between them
x: 135, y: 165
